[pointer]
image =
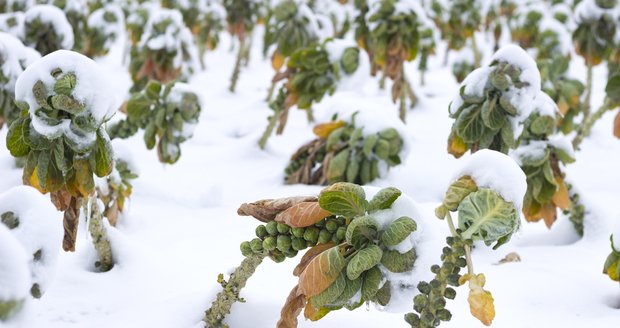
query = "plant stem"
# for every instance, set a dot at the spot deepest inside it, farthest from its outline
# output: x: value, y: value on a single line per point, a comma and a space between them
x: 477, y: 54
x: 451, y: 224
x: 270, y: 91
x: 214, y: 316
x: 470, y: 264
x: 586, y: 126
x: 100, y: 237
x: 275, y: 117
x: 237, y: 69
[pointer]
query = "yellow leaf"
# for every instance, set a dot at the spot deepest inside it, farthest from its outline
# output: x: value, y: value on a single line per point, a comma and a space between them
x: 325, y: 129
x: 561, y: 198
x: 302, y: 215
x: 277, y: 61
x: 563, y: 106
x: 456, y: 146
x: 313, y: 314
x: 480, y: 301
x: 34, y: 182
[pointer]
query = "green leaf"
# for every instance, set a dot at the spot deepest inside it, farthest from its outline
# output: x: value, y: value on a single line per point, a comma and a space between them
x: 543, y: 125
x: 396, y: 262
x: 331, y: 293
x: 612, y: 89
x: 534, y: 159
x: 457, y: 191
x: 371, y: 283
x: 485, y: 215
x: 352, y: 287
x: 42, y: 168
x: 343, y: 198
x: 360, y: 231
x: 15, y: 141
x: 338, y: 166
x: 492, y: 115
x: 104, y: 155
x: 469, y: 125
x: 398, y: 230
x: 321, y: 272
x: 363, y: 260
x: 384, y: 199
x: 384, y: 294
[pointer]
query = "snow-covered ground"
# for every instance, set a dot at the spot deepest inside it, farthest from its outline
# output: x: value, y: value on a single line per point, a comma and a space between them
x: 181, y: 229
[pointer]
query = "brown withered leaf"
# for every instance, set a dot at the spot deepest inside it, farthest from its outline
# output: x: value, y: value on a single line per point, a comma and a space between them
x: 295, y: 302
x: 324, y: 129
x: 561, y: 197
x: 548, y: 213
x: 61, y: 199
x: 302, y: 215
x: 313, y: 314
x: 277, y: 60
x: 70, y: 224
x: 480, y: 301
x: 510, y: 257
x: 456, y: 146
x: 321, y: 272
x: 266, y: 210
x: 311, y: 254
x: 617, y: 125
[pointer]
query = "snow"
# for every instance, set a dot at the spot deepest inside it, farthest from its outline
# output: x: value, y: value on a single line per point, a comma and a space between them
x: 13, y: 23
x: 182, y: 229
x: 14, y: 57
x: 544, y: 105
x: 532, y: 149
x: 39, y: 229
x: 56, y: 18
x: 115, y: 30
x: 92, y: 89
x: 14, y: 275
x: 562, y: 142
x: 616, y: 236
x: 494, y: 170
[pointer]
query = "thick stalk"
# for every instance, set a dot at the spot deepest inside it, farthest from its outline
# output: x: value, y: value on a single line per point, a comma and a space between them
x: 237, y: 69
x: 100, y: 237
x: 402, y: 108
x: 270, y: 91
x: 382, y: 80
x: 214, y: 316
x: 586, y: 105
x: 586, y: 126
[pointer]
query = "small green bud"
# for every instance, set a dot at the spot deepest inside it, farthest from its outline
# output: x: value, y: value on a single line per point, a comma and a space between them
x: 257, y: 245
x: 453, y: 280
x: 435, y: 268
x: 331, y: 226
x: 269, y: 244
x: 324, y: 236
x: 444, y: 315
x: 427, y: 317
x: 435, y: 284
x: 420, y: 301
x: 412, y: 319
x: 424, y: 287
x: 246, y: 248
x: 298, y: 232
x: 298, y: 244
x: 311, y: 235
x: 277, y: 256
x: 341, y: 233
x: 283, y: 228
x: 261, y: 231
x: 461, y: 262
x: 449, y: 293
x: 284, y: 243
x: 272, y: 228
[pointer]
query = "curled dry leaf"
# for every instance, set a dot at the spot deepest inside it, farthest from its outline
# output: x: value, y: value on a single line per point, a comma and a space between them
x: 267, y: 209
x: 302, y: 215
x: 510, y: 257
x: 321, y: 272
x: 480, y: 300
x: 561, y: 198
x: 295, y: 302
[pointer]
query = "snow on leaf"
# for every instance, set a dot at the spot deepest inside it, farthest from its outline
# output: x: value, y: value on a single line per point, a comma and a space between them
x: 302, y: 215
x: 398, y: 230
x: 457, y: 191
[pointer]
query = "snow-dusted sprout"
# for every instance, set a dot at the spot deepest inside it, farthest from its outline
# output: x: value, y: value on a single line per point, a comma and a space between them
x: 540, y: 154
x: 11, y: 6
x: 47, y: 29
x: 356, y: 245
x: 343, y: 152
x: 309, y: 76
x: 64, y: 102
x: 291, y: 26
x: 168, y: 114
x: 14, y: 58
x: 241, y: 17
x: 166, y: 50
x: 487, y: 195
x: 464, y: 18
x: 76, y: 12
x: 105, y: 26
x: 493, y: 100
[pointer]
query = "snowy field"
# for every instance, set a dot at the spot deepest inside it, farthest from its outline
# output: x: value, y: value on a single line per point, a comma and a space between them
x: 181, y: 227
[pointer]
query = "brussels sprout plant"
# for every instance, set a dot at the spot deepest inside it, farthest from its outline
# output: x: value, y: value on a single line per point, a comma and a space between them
x: 309, y: 76
x: 64, y: 104
x: 352, y: 252
x: 105, y: 26
x: 241, y: 16
x: 343, y: 152
x: 168, y: 114
x: 47, y: 29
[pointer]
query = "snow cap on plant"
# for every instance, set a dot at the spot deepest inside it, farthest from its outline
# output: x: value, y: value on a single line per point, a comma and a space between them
x: 32, y: 220
x: 14, y: 58
x: 14, y: 276
x: 493, y: 100
x: 596, y: 29
x: 47, y: 29
x: 105, y: 25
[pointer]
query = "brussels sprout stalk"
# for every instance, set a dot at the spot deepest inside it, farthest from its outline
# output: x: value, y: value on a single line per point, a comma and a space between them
x: 588, y: 121
x: 237, y: 69
x: 214, y: 316
x: 99, y: 235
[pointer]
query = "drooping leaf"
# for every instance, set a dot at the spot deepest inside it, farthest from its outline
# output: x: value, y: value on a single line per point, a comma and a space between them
x: 103, y: 155
x: 346, y: 199
x: 363, y: 260
x: 295, y: 302
x: 396, y: 262
x: 384, y: 294
x: 371, y: 283
x: 398, y: 230
x: 480, y: 301
x: 612, y: 266
x: 360, y: 231
x: 331, y: 293
x: 383, y: 199
x: 612, y: 89
x: 456, y: 146
x: 458, y: 190
x: 351, y: 288
x: 617, y: 125
x: 485, y: 215
x: 469, y: 125
x: 325, y: 129
x: 15, y: 141
x: 266, y: 210
x: 83, y: 176
x: 302, y: 215
x: 321, y: 272
x: 561, y: 197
